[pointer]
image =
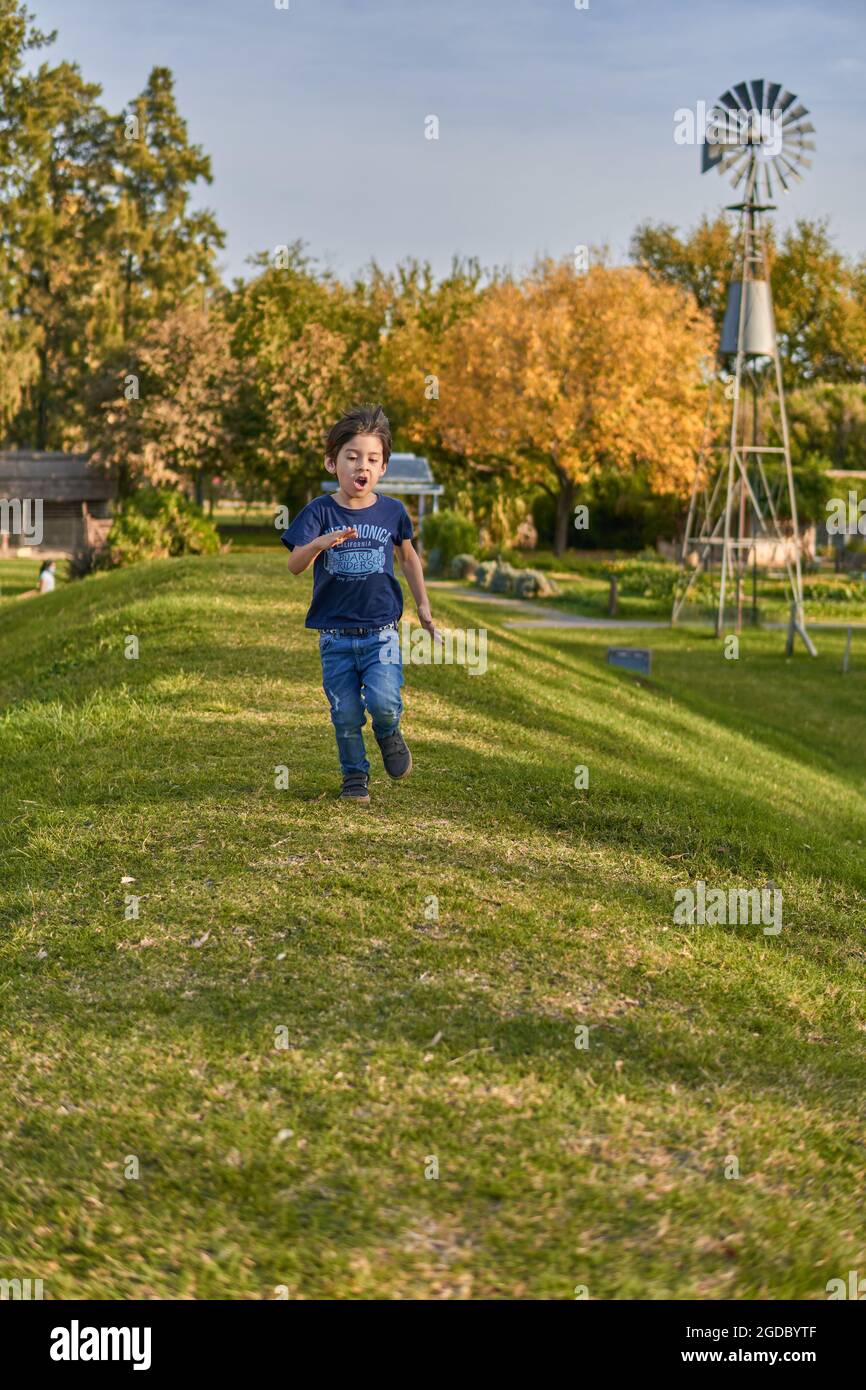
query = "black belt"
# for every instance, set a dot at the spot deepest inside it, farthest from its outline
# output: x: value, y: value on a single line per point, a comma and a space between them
x: 355, y: 631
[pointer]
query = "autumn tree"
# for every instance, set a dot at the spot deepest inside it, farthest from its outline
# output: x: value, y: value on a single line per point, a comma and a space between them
x: 418, y: 311
x: 562, y: 377
x: 172, y: 416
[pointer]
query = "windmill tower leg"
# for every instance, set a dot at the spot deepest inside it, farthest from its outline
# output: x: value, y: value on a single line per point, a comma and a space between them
x: 746, y: 238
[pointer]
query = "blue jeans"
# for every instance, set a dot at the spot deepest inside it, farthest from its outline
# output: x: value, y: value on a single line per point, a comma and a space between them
x: 355, y: 679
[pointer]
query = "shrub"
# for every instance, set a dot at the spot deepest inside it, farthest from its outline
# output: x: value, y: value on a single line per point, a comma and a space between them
x: 156, y: 523
x: 484, y: 573
x: 503, y: 577
x: 449, y: 533
x: 463, y: 567
x: 534, y: 584
x: 645, y: 577
x: 833, y: 589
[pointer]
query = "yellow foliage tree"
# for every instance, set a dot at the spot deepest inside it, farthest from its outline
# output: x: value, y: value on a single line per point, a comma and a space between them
x: 565, y: 375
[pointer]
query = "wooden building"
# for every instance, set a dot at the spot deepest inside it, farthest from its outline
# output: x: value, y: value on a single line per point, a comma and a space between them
x: 75, y: 501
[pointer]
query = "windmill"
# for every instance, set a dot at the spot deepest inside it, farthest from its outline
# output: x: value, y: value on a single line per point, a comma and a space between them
x: 757, y: 134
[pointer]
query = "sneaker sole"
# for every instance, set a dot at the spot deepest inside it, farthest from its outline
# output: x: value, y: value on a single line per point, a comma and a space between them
x: 358, y: 800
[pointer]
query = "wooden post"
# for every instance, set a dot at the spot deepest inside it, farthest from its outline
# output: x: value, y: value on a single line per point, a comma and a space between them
x: 847, y: 654
x: 613, y: 597
x: 792, y: 625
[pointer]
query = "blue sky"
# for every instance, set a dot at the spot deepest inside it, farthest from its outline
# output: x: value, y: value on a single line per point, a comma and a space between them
x: 556, y: 124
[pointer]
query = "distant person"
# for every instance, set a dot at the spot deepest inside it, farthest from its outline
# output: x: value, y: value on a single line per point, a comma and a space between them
x: 350, y: 537
x: 47, y: 577
x: 46, y: 583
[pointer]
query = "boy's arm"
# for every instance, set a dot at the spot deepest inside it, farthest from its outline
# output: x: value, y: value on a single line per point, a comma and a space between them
x: 411, y: 567
x: 303, y: 555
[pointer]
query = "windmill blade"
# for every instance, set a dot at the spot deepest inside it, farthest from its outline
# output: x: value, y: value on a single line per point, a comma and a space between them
x: 729, y: 101
x: 711, y: 155
x: 745, y: 96
x: 725, y: 130
x: 790, y: 168
x: 768, y: 180
x: 731, y: 160
x: 800, y: 145
x: 780, y: 176
x: 773, y: 91
x: 806, y: 128
x: 785, y: 101
x: 757, y: 93
x: 798, y: 111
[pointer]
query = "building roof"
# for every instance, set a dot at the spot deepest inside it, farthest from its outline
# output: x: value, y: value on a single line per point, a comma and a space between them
x: 407, y: 473
x: 53, y: 477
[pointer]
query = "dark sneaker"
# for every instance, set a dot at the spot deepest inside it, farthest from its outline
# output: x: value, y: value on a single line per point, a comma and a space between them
x: 355, y: 788
x: 395, y: 754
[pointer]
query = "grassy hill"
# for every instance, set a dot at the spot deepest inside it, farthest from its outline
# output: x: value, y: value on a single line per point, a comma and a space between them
x: 286, y: 1038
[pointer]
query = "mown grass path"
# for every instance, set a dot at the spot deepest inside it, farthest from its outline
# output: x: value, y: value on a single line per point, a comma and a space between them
x: 287, y: 1036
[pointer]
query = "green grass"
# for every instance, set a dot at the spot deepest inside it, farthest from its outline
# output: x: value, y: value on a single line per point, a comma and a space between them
x: 248, y: 536
x: 407, y: 1037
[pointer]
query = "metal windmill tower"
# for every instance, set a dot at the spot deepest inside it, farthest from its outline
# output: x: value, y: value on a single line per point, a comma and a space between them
x: 757, y: 133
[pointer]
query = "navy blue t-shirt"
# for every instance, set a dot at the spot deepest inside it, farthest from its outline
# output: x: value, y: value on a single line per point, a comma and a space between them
x: 353, y: 582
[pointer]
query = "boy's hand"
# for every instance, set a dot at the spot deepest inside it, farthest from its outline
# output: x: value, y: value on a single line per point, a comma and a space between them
x: 425, y: 618
x: 333, y: 538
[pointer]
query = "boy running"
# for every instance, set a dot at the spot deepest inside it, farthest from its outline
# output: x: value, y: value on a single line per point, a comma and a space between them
x: 349, y: 536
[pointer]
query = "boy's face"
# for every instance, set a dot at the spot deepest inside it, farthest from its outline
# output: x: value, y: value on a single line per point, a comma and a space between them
x: 359, y: 465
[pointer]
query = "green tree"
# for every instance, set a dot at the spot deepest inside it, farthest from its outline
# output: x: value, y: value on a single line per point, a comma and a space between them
x: 819, y: 295
x: 18, y: 362
x: 307, y: 343
x: 96, y: 233
x: 164, y: 248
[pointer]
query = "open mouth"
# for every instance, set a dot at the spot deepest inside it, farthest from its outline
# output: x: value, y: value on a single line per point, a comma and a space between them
x: 361, y: 481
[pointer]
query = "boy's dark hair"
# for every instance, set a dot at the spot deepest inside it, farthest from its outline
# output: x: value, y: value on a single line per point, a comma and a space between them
x: 361, y: 419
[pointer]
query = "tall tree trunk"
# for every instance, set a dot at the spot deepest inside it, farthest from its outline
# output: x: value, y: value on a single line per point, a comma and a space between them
x: 42, y: 402
x: 127, y: 299
x: 564, y: 511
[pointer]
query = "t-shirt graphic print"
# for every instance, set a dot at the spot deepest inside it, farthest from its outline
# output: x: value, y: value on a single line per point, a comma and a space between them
x: 353, y: 582
x: 353, y: 559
